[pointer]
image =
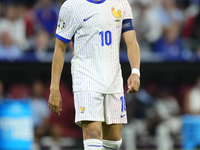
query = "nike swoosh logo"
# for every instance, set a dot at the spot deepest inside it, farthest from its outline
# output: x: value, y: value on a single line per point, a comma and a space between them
x: 87, y: 18
x: 122, y: 116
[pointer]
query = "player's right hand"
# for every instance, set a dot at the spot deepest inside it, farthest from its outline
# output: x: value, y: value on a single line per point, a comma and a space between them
x: 55, y: 101
x: 133, y: 83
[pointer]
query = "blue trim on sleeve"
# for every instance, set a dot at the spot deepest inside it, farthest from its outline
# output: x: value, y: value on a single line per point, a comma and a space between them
x: 96, y: 2
x: 62, y: 38
x: 94, y: 145
x: 127, y: 25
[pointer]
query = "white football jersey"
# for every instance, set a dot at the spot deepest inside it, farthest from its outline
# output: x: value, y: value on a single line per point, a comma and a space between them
x: 95, y: 28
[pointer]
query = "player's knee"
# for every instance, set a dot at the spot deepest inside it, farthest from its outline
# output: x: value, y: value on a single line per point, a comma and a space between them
x: 107, y: 144
x: 115, y: 136
x: 112, y: 132
x: 92, y: 130
x: 92, y: 134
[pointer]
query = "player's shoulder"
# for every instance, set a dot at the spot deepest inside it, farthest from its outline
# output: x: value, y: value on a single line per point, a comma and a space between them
x: 125, y: 2
x: 67, y: 4
x: 72, y: 4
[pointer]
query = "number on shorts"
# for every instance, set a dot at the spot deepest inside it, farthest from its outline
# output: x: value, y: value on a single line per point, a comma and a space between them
x: 123, y: 104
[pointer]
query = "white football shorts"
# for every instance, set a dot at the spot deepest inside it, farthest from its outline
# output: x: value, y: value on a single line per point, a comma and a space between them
x: 94, y: 106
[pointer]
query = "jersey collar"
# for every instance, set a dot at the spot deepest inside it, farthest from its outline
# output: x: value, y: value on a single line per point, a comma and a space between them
x: 96, y: 2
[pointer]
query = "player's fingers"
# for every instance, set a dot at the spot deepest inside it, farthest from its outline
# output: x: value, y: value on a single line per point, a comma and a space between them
x: 130, y: 90
x: 50, y: 106
x: 136, y: 86
x: 56, y: 109
x: 129, y: 83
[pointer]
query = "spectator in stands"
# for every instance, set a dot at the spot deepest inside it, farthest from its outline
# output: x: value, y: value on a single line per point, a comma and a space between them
x: 14, y: 25
x: 1, y: 5
x: 169, y: 120
x: 196, y: 33
x: 46, y: 17
x: 39, y: 104
x: 192, y: 100
x: 41, y: 46
x: 198, y: 53
x: 190, y: 14
x: 40, y: 110
x: 170, y: 14
x: 149, y: 18
x: 8, y: 50
x: 191, y: 117
x: 56, y: 141
x: 170, y: 46
x: 2, y: 94
x: 136, y: 130
x: 28, y: 15
x: 146, y: 21
x: 196, y: 27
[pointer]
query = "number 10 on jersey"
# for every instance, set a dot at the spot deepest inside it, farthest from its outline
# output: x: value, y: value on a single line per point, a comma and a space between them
x: 106, y: 38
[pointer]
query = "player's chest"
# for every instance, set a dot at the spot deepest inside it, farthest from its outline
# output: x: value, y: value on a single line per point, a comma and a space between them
x: 103, y: 16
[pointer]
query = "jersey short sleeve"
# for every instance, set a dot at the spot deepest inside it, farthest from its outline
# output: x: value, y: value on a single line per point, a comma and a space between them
x: 66, y: 24
x: 127, y: 13
x: 127, y: 23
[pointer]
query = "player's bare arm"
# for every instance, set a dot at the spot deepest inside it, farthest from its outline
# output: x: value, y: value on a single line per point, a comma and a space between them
x: 134, y: 59
x: 55, y: 100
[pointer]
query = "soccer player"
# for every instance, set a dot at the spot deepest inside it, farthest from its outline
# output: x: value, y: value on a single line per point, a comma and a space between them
x: 95, y: 27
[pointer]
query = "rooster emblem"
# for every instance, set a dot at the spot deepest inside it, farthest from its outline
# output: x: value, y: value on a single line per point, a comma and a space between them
x: 82, y: 109
x: 117, y: 14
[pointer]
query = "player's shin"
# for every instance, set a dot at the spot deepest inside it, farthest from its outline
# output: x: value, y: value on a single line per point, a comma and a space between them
x: 114, y: 145
x: 92, y: 144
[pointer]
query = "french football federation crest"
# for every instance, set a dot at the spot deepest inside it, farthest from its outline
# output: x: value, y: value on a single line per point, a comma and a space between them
x: 82, y: 109
x: 117, y: 14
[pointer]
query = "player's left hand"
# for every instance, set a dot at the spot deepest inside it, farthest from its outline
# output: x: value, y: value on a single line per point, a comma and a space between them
x: 133, y: 83
x: 55, y: 101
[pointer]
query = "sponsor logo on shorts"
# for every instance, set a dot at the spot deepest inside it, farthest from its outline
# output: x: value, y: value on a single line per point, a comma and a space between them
x: 82, y: 109
x: 122, y: 116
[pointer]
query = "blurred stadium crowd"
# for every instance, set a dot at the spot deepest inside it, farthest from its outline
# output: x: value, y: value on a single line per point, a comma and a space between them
x: 51, y: 132
x: 155, y: 115
x: 167, y: 30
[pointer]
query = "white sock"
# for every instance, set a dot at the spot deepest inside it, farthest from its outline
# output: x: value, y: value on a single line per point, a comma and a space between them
x: 111, y: 145
x: 92, y: 144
